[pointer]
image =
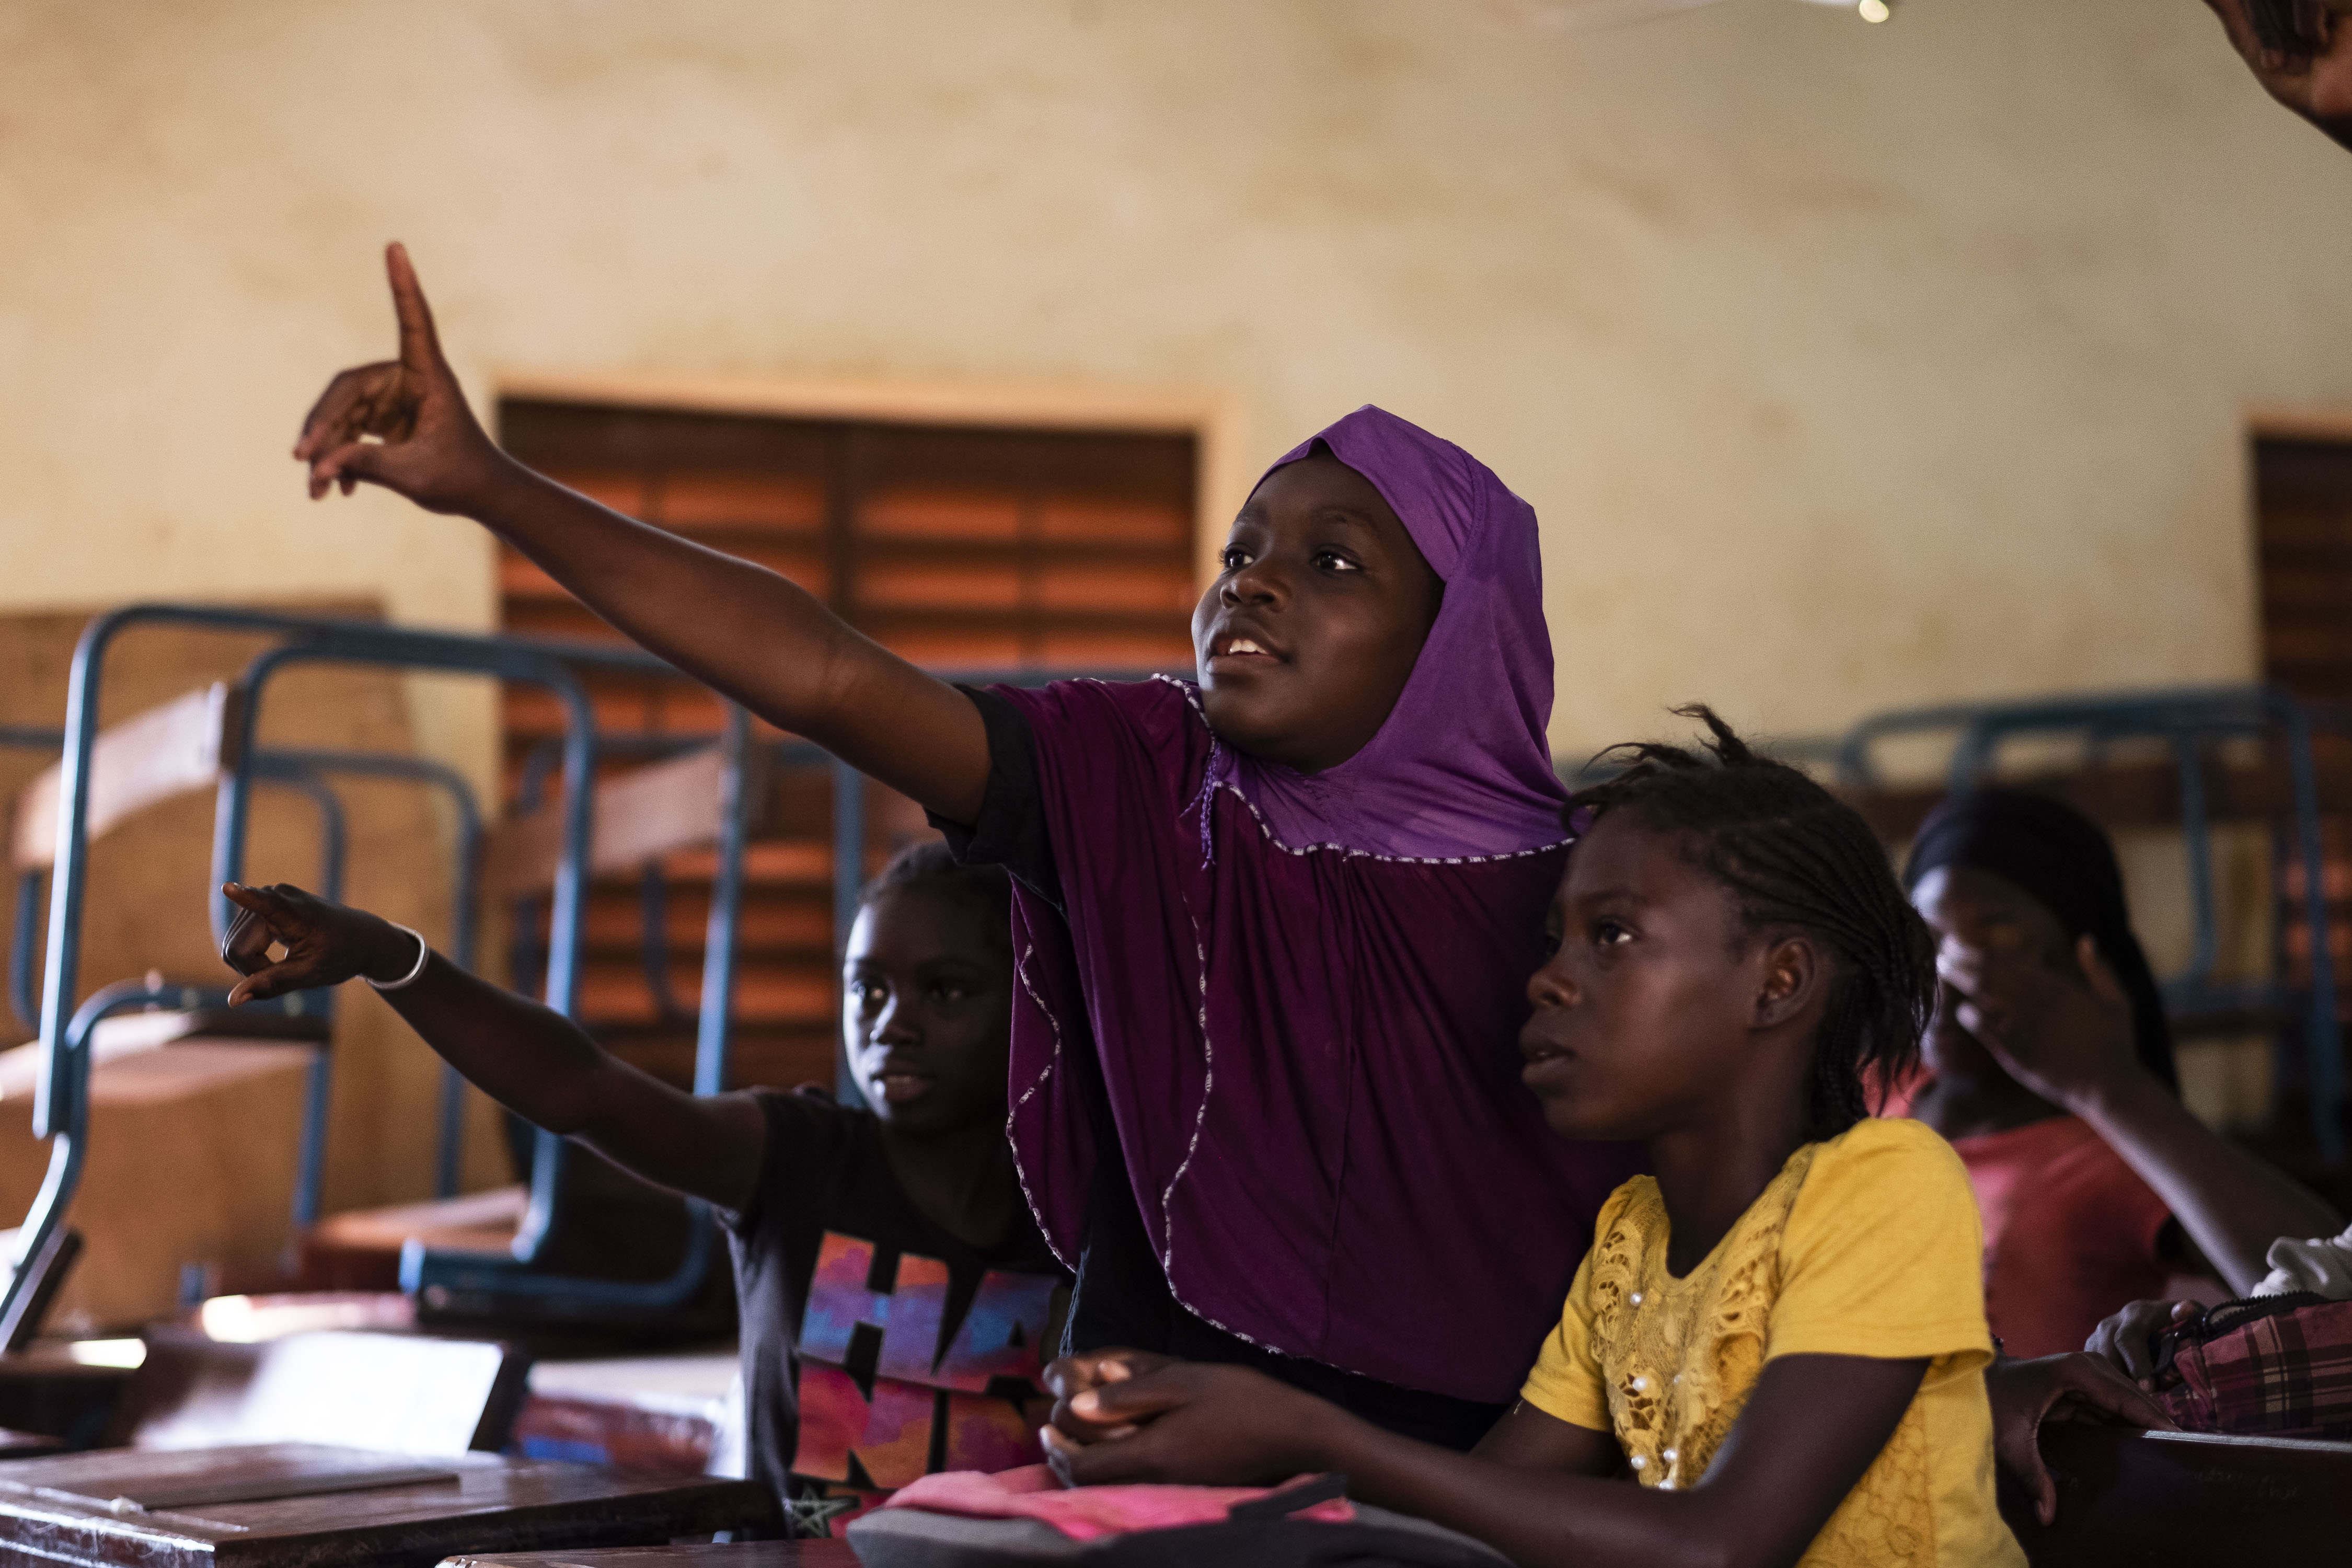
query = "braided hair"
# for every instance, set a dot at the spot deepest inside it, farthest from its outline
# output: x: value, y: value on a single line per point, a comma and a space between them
x: 1796, y: 859
x: 932, y: 864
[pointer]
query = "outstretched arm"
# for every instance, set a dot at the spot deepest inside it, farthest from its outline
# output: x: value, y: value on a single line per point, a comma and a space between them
x: 1533, y: 1488
x: 2300, y: 51
x: 2068, y: 1038
x: 403, y: 424
x: 529, y: 1058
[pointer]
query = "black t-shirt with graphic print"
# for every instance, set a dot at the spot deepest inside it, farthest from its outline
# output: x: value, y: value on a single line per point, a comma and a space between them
x: 877, y: 1346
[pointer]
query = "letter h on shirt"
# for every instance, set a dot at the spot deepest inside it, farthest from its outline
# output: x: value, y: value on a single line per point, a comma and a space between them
x: 889, y: 1430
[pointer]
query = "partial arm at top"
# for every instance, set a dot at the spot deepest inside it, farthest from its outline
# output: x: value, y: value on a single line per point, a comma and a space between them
x: 2305, y: 64
x: 743, y: 630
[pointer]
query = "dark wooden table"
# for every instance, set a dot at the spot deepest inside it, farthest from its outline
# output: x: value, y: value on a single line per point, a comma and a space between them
x: 285, y: 1505
x: 2126, y: 1497
x: 750, y: 1555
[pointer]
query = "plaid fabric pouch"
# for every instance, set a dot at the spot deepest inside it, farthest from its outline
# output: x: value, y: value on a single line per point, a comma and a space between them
x: 2277, y: 1366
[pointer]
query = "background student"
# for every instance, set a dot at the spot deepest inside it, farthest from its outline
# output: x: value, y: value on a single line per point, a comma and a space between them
x: 818, y: 1199
x: 1270, y: 929
x: 2049, y: 1066
x: 1780, y: 1336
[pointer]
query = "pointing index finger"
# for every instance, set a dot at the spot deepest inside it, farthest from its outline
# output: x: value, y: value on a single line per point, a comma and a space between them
x: 420, y: 346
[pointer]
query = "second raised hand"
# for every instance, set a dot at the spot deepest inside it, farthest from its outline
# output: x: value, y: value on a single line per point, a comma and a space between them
x: 401, y: 423
x: 2062, y: 1034
x: 325, y: 944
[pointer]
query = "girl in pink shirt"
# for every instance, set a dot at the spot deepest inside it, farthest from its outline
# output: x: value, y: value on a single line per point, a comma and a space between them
x: 2049, y: 1068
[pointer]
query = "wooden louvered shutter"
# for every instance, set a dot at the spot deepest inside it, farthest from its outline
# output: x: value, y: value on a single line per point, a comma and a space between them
x: 2302, y: 493
x: 957, y: 547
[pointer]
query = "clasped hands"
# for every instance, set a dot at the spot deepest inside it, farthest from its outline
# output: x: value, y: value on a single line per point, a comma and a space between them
x: 1132, y: 1416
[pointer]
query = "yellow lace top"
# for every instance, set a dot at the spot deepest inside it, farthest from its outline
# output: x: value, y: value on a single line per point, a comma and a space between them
x: 1865, y: 1245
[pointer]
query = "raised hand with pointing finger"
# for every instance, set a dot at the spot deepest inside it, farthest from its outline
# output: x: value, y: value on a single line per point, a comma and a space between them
x: 752, y: 635
x: 401, y: 423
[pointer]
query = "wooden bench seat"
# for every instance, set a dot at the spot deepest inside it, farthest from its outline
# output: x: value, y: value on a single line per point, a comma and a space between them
x: 193, y: 1151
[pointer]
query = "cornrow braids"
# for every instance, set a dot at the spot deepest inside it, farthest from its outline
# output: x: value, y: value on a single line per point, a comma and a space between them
x: 932, y: 864
x: 1796, y: 859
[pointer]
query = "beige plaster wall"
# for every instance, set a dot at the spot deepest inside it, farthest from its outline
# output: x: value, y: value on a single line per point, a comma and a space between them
x: 1848, y: 366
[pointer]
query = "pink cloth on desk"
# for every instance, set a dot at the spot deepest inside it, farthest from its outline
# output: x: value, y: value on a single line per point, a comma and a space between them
x: 1086, y: 1513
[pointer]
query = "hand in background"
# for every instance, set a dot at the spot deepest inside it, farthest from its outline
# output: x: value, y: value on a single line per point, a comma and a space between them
x: 2065, y: 1035
x: 2126, y: 1340
x: 2073, y: 1387
x: 325, y: 944
x: 2316, y: 85
x: 428, y: 445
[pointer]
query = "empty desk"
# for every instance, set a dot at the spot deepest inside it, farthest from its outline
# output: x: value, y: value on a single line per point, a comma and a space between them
x: 289, y: 1503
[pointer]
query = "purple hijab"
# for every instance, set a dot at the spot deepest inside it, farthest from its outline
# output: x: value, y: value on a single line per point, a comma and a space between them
x: 1463, y: 765
x: 1308, y: 1036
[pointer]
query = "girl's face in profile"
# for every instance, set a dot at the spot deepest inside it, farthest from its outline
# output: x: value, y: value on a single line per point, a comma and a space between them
x: 1643, y: 1012
x: 926, y: 1010
x: 1307, y: 638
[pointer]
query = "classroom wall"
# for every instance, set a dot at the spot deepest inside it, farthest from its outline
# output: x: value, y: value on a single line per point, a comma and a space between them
x: 1848, y: 366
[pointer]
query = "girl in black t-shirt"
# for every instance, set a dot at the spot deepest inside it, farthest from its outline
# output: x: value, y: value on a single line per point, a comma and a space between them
x: 896, y: 1295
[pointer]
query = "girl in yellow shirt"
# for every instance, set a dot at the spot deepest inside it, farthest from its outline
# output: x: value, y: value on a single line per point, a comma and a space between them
x: 1780, y: 1337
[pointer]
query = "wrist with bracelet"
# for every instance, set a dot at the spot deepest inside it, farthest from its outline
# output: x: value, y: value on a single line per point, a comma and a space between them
x: 424, y: 955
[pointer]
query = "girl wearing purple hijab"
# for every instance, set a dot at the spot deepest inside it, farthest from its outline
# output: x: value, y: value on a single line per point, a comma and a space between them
x: 1271, y: 927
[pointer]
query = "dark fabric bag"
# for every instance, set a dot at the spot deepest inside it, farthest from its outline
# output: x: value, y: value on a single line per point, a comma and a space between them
x: 1260, y: 1534
x: 2276, y: 1366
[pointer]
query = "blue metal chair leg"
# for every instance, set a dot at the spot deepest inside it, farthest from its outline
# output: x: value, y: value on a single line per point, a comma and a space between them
x: 24, y: 950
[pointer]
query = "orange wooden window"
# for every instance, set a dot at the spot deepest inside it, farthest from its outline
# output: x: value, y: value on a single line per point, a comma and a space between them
x: 960, y: 548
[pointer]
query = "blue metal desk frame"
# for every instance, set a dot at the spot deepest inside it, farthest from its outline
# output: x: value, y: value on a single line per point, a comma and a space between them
x: 302, y: 769
x: 61, y: 1109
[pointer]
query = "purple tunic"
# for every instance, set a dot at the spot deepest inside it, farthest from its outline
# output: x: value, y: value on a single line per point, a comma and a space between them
x: 1308, y: 1034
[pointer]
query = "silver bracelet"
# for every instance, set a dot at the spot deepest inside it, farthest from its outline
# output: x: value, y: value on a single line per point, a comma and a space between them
x: 424, y: 952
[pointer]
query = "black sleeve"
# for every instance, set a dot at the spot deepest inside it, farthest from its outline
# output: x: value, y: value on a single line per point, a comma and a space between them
x: 1122, y: 1295
x: 1010, y: 831
x: 807, y: 1141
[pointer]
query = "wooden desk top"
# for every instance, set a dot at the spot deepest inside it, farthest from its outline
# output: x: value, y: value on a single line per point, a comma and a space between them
x: 65, y: 1507
x: 749, y: 1554
x: 2181, y: 1499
